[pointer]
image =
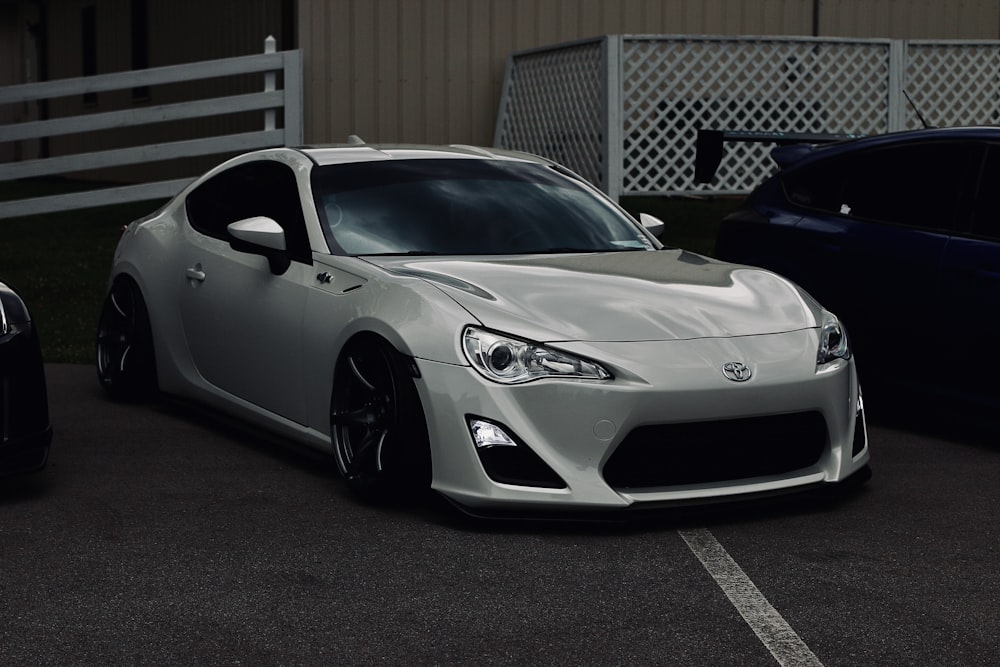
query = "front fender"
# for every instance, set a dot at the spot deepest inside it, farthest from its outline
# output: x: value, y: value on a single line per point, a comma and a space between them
x: 416, y: 318
x: 145, y: 253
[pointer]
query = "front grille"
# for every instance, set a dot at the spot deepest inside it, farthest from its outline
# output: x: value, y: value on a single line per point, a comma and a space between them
x: 718, y: 451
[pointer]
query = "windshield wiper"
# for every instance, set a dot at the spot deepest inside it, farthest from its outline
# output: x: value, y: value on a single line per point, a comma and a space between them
x: 570, y: 249
x: 402, y: 253
x: 561, y: 249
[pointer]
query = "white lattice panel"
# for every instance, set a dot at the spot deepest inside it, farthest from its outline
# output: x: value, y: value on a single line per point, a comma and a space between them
x: 670, y: 87
x: 953, y: 84
x: 673, y: 87
x: 554, y: 108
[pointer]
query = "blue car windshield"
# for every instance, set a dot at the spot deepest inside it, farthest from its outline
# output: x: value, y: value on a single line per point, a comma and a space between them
x: 465, y: 207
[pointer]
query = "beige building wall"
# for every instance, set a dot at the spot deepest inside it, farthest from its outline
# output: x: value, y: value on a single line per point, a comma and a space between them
x: 431, y: 71
x: 911, y: 19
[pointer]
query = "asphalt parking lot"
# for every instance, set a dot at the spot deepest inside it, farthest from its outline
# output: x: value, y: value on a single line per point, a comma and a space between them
x: 160, y: 535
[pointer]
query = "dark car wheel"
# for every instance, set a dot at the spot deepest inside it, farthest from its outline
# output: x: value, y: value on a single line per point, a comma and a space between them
x: 126, y: 365
x: 377, y: 423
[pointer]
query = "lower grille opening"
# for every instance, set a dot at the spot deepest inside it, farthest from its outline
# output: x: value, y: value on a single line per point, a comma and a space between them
x: 519, y: 466
x: 860, y: 441
x: 705, y: 452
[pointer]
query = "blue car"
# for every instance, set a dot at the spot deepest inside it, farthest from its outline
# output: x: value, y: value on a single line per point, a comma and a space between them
x: 25, y: 431
x: 899, y: 234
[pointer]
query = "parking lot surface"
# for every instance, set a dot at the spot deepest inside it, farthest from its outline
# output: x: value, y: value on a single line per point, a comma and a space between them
x: 162, y: 535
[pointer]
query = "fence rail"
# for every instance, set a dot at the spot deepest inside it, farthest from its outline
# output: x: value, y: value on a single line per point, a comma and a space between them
x: 288, y: 100
x: 624, y: 111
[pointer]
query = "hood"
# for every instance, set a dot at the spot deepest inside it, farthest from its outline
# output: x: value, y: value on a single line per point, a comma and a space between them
x: 615, y: 297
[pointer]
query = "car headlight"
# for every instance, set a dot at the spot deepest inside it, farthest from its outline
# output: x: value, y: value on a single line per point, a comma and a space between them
x: 833, y: 343
x: 12, y: 311
x: 512, y: 361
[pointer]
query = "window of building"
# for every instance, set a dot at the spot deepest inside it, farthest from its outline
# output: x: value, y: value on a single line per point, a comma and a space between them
x: 88, y: 27
x: 140, y: 44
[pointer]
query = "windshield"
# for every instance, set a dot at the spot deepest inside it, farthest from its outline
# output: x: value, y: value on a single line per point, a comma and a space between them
x: 465, y: 207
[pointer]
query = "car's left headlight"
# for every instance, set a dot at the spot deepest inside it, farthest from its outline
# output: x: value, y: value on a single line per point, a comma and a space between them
x: 510, y: 360
x: 833, y: 342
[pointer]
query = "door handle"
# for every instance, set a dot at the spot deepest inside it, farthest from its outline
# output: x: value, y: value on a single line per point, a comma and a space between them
x: 195, y: 273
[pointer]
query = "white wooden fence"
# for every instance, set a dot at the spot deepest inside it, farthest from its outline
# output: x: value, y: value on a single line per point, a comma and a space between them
x: 269, y: 100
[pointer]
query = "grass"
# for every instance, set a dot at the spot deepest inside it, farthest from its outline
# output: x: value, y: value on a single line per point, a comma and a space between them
x: 60, y: 262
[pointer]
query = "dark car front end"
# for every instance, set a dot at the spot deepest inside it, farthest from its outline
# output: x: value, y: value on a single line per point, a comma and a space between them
x: 25, y: 430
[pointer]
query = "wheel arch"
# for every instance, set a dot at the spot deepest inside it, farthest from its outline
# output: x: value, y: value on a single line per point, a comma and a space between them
x: 126, y: 384
x: 418, y: 472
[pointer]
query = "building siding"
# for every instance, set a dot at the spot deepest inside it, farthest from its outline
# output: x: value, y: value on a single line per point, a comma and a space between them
x: 413, y: 71
x: 431, y: 71
x: 911, y: 19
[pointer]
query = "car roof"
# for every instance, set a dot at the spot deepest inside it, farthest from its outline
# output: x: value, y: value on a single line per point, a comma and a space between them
x: 801, y: 154
x: 348, y: 153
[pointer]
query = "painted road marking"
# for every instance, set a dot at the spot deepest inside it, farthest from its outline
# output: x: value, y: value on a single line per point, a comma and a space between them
x: 769, y: 626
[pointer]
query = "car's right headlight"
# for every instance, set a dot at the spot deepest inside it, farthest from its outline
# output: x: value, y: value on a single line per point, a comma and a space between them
x: 510, y: 360
x: 833, y: 342
x: 13, y: 312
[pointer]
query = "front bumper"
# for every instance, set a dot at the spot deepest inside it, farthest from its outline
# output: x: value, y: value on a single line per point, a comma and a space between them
x: 577, y: 427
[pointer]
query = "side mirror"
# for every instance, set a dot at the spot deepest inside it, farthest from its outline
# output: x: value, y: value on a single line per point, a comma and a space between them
x: 261, y: 236
x: 652, y: 224
x: 259, y: 231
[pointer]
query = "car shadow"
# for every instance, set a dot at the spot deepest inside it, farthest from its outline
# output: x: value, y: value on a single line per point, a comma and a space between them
x: 285, y: 451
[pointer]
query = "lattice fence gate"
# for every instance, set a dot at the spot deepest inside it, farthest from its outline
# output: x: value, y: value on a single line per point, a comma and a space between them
x: 624, y: 111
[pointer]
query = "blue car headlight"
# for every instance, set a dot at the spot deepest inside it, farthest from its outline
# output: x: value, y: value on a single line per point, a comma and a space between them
x: 510, y: 360
x: 833, y: 342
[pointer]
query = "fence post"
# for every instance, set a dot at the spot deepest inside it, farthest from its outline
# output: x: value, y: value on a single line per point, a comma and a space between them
x: 897, y: 82
x: 613, y: 148
x: 292, y: 71
x: 270, y: 46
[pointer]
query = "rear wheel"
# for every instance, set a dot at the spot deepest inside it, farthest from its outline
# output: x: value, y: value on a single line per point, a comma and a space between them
x: 377, y: 423
x: 126, y: 365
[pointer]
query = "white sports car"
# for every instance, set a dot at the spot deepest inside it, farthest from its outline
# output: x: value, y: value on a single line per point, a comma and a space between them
x: 482, y: 322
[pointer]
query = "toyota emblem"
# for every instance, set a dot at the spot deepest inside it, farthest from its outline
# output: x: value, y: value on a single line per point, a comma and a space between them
x: 736, y: 371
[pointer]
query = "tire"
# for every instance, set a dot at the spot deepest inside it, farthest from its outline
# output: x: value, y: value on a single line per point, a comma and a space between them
x: 126, y: 364
x: 377, y: 424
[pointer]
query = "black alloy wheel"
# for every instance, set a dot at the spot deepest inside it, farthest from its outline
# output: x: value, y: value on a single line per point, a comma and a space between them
x: 126, y: 364
x: 377, y: 423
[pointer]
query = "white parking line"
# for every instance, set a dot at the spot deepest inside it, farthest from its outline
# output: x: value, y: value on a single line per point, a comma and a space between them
x: 769, y: 626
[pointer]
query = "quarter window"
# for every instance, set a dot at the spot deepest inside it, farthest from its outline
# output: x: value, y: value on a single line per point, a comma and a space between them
x: 919, y: 185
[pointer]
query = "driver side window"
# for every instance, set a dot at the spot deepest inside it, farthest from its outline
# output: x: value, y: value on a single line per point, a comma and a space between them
x: 262, y: 188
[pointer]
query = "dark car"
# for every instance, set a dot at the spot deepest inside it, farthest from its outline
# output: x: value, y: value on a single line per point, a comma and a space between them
x: 25, y: 431
x: 899, y: 234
